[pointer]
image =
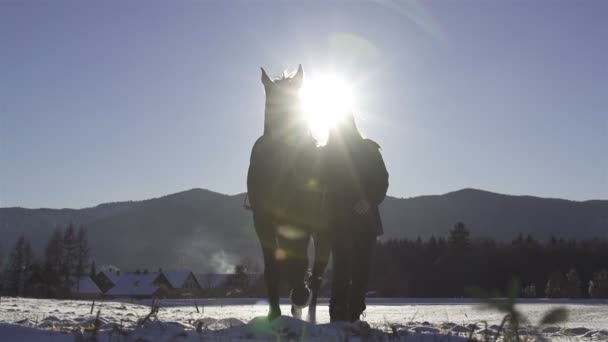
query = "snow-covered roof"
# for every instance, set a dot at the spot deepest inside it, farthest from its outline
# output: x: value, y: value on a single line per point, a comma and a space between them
x: 211, y: 280
x: 177, y: 278
x: 112, y: 275
x: 84, y: 285
x: 134, y: 284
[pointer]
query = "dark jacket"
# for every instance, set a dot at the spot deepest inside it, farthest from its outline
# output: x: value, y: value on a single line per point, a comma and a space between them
x: 350, y: 173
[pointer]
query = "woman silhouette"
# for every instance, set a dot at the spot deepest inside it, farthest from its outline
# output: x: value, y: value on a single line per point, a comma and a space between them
x: 356, y: 181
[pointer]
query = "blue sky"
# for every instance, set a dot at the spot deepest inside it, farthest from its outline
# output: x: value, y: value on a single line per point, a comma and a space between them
x: 118, y: 100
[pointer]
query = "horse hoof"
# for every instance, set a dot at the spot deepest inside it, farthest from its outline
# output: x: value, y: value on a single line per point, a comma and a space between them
x: 274, y: 314
x: 296, y: 312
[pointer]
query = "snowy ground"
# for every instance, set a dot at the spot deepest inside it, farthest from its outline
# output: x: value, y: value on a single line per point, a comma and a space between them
x: 230, y: 319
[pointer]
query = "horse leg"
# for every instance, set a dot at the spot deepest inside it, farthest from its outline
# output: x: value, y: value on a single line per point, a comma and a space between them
x: 295, y: 266
x: 264, y: 228
x: 322, y: 251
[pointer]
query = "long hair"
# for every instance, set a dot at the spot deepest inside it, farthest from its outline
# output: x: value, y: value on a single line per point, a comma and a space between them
x: 345, y: 131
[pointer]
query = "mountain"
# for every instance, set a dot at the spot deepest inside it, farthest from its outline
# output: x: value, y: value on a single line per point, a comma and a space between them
x: 496, y: 216
x: 207, y: 231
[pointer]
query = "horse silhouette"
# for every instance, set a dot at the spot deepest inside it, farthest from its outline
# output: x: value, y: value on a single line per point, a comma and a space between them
x: 284, y: 195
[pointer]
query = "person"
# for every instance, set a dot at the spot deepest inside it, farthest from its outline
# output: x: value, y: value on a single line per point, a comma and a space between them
x: 355, y: 180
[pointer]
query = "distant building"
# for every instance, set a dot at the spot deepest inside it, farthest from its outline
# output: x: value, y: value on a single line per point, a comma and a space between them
x: 84, y: 288
x: 165, y: 284
x: 139, y: 285
x: 107, y: 279
x: 218, y: 284
x: 212, y: 281
x: 183, y: 283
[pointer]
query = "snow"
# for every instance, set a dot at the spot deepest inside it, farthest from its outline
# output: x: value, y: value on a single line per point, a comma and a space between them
x: 26, y: 319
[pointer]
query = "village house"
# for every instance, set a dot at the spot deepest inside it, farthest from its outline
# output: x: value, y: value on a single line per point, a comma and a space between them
x: 139, y: 285
x: 84, y: 288
x: 183, y: 283
x: 211, y: 282
x: 163, y: 284
x: 107, y: 279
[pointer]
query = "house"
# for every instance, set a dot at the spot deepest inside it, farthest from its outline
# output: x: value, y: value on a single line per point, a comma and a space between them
x: 184, y: 283
x: 84, y: 288
x: 107, y: 279
x: 212, y: 281
x: 221, y: 284
x: 139, y: 285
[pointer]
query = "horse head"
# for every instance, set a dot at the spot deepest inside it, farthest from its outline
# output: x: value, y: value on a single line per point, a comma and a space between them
x: 283, y: 117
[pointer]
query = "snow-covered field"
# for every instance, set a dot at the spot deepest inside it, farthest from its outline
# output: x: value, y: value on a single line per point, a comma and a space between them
x: 231, y: 319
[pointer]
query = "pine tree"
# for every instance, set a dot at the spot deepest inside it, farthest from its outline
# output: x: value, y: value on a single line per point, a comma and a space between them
x: 82, y: 252
x: 556, y: 286
x: 598, y: 287
x: 573, y: 284
x: 459, y: 236
x: 530, y: 291
x: 1, y: 266
x: 20, y: 260
x: 1, y: 256
x: 70, y: 254
x: 93, y: 273
x: 53, y: 264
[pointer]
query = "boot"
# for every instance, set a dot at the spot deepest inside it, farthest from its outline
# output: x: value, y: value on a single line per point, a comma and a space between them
x: 355, y: 313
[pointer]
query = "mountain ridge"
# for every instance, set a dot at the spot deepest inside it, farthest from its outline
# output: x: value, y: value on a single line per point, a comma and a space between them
x: 467, y: 189
x: 205, y: 230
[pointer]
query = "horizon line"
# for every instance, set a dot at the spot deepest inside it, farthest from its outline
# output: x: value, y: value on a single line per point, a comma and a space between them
x: 242, y: 193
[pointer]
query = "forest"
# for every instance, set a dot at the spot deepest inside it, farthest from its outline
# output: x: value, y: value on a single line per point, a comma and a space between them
x: 455, y: 265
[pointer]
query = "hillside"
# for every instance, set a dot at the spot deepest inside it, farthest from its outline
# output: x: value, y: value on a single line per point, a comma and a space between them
x: 207, y: 231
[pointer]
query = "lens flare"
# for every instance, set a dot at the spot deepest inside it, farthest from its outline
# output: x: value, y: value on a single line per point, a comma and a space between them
x: 325, y: 101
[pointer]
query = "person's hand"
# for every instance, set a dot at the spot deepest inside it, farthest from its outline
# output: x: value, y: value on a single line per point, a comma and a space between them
x: 361, y: 207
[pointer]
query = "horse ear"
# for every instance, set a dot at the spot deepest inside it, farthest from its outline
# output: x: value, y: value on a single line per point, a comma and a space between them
x: 266, y: 81
x: 299, y: 76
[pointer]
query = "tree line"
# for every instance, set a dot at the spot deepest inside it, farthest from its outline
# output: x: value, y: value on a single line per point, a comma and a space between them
x: 452, y: 266
x: 436, y: 267
x: 55, y: 275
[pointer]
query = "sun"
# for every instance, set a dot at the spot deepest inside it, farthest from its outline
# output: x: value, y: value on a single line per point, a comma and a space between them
x: 325, y: 101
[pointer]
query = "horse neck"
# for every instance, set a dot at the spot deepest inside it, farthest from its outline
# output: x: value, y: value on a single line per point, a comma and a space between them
x: 304, y: 137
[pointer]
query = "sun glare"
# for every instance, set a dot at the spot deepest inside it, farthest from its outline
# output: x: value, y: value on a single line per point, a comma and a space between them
x: 325, y: 100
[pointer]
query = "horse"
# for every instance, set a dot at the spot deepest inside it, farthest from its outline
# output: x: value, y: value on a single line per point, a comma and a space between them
x: 285, y: 198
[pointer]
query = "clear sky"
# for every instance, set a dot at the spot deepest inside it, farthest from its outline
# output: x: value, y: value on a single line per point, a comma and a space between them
x: 126, y: 100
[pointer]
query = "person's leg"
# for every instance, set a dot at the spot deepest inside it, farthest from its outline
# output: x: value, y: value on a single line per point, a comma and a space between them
x: 264, y: 228
x: 341, y: 246
x: 364, y: 244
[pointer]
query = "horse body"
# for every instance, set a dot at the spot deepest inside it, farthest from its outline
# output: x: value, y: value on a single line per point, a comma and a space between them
x: 282, y: 186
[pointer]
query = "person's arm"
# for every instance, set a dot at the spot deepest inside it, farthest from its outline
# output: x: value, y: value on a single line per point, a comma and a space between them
x: 374, y: 179
x: 377, y: 184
